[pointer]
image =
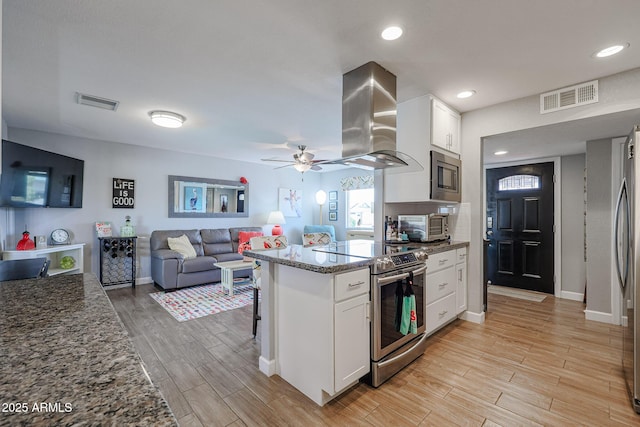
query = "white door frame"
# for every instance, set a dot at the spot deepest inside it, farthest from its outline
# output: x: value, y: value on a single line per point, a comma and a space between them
x: 557, y: 213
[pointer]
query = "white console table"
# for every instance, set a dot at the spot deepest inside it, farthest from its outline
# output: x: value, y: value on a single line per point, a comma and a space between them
x: 54, y: 254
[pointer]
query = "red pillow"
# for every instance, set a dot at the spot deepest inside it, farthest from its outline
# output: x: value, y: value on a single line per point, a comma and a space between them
x: 244, y: 237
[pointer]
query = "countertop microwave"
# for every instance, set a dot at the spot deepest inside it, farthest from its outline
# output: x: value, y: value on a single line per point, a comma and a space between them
x: 424, y: 228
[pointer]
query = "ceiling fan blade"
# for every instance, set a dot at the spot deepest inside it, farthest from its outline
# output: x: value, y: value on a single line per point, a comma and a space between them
x: 285, y: 166
x: 316, y: 168
x: 277, y: 160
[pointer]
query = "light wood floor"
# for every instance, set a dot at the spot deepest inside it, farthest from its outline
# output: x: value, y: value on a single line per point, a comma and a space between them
x: 528, y: 364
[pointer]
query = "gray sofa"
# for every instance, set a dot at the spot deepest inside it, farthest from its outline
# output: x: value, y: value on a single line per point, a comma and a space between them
x: 170, y: 270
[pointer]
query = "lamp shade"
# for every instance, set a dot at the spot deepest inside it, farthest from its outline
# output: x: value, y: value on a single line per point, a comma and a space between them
x: 321, y: 197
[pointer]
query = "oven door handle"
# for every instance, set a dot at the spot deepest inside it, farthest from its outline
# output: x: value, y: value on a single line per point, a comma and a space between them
x: 393, y: 359
x: 386, y: 280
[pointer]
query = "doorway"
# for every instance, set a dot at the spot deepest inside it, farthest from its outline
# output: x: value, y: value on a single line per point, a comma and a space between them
x: 520, y: 226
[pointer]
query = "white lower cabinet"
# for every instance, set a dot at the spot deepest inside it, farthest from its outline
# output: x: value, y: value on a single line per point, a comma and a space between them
x: 323, y: 333
x: 446, y: 289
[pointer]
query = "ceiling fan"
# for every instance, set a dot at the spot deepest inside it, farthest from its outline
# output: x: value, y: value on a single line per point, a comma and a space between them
x: 302, y: 161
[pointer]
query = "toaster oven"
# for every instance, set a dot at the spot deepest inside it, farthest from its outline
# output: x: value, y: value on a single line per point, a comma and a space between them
x: 424, y: 228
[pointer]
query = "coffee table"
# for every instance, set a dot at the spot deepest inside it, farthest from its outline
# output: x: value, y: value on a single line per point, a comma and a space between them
x: 227, y: 268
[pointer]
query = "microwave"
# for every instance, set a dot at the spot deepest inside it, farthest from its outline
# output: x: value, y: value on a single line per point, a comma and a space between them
x: 424, y: 228
x: 445, y: 178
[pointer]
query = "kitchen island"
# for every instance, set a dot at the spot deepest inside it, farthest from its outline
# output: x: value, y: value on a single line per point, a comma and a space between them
x: 66, y: 359
x: 316, y: 312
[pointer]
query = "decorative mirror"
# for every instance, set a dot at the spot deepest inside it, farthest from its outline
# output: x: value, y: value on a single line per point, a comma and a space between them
x: 191, y: 197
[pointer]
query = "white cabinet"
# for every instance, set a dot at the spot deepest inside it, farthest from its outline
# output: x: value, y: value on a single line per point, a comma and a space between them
x: 322, y: 324
x: 54, y: 254
x: 445, y: 127
x: 420, y: 123
x: 446, y: 287
x: 461, y: 273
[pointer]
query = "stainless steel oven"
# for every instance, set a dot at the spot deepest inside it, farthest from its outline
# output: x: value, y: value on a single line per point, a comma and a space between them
x: 390, y: 349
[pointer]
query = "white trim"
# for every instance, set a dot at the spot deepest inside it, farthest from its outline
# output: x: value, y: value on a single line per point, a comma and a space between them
x: 574, y: 296
x: 557, y: 211
x: 472, y: 317
x: 267, y: 367
x: 598, y: 316
x: 144, y: 280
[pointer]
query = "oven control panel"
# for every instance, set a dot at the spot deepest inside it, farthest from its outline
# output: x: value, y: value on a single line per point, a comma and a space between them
x: 408, y: 258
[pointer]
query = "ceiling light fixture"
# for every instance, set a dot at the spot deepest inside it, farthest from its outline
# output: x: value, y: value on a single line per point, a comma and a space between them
x: 167, y: 119
x: 611, y: 50
x: 302, y: 167
x: 466, y: 94
x: 500, y: 153
x: 391, y: 33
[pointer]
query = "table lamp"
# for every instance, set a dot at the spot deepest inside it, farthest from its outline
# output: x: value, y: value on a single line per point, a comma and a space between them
x: 276, y: 218
x: 321, y: 198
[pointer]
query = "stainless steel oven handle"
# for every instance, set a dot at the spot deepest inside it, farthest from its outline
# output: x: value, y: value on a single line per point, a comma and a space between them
x: 393, y: 359
x: 386, y: 280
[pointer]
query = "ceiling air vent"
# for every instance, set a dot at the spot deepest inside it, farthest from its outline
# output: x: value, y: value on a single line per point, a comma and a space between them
x: 569, y: 97
x: 96, y: 101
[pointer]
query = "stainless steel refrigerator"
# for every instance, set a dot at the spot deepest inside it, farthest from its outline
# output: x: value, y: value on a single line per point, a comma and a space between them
x: 627, y: 246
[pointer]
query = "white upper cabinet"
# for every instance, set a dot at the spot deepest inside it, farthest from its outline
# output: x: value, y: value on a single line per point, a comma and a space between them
x: 445, y: 127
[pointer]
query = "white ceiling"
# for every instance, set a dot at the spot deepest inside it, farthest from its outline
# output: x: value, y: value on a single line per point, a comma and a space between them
x: 256, y: 78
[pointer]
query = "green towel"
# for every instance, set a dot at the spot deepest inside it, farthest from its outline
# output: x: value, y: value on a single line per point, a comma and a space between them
x: 409, y: 323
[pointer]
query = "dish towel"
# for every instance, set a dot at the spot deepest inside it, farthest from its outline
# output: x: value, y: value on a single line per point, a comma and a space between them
x: 409, y: 322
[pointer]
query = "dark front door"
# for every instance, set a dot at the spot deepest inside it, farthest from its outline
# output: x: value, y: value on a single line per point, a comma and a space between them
x: 520, y: 226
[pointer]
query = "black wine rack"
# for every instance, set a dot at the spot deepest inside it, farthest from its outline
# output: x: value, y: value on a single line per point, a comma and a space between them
x: 117, y: 260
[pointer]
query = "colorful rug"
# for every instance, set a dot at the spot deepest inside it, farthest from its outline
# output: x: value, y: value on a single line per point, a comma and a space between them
x: 199, y: 301
x: 516, y: 293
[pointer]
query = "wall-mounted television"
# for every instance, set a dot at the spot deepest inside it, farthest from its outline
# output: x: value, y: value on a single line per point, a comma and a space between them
x: 32, y: 177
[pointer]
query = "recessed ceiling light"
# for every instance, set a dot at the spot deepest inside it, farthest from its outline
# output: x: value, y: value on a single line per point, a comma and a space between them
x: 167, y: 119
x: 391, y: 33
x: 466, y: 94
x: 611, y: 50
x: 500, y: 152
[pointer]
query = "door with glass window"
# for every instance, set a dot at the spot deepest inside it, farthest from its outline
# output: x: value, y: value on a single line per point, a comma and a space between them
x: 520, y: 226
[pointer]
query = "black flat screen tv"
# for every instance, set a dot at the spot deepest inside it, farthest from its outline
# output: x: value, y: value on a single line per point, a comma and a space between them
x: 32, y: 178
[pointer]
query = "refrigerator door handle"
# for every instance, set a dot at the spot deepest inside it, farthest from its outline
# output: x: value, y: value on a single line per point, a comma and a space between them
x: 622, y: 279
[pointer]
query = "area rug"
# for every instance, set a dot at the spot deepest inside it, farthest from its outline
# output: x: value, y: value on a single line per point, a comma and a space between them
x: 198, y: 301
x: 516, y: 293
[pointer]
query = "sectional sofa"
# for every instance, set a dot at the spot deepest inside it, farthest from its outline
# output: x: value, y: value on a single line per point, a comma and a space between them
x: 171, y: 270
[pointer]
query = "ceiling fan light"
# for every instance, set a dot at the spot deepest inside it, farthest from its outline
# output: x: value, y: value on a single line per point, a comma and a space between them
x: 302, y: 167
x: 167, y: 119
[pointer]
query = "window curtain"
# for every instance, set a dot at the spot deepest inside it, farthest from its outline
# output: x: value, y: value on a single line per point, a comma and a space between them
x: 356, y: 182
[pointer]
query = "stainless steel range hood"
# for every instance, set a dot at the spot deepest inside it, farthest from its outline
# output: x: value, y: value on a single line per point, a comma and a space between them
x: 369, y: 119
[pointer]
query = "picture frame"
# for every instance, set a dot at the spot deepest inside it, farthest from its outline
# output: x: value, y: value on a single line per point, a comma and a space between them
x: 193, y: 198
x: 333, y: 216
x: 224, y: 203
x: 333, y: 206
x: 333, y: 195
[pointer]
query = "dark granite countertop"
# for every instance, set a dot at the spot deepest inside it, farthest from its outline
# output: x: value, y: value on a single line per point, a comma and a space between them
x: 66, y: 359
x: 307, y: 258
x: 311, y: 258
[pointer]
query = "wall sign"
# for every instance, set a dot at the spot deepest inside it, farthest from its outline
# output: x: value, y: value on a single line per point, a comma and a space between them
x: 123, y: 193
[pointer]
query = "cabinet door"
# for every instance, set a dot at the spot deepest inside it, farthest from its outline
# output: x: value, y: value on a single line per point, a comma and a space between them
x: 454, y: 132
x: 440, y: 133
x: 461, y: 291
x: 351, y: 340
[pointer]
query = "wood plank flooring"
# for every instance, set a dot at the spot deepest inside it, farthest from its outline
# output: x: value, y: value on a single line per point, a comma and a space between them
x: 529, y: 364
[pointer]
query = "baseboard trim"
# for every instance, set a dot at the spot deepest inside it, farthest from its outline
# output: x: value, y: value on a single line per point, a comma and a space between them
x: 472, y: 317
x: 598, y: 316
x: 267, y: 367
x: 144, y: 280
x: 574, y: 296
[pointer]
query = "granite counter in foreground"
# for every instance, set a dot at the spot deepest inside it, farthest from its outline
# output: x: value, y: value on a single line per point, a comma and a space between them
x: 65, y: 358
x: 306, y: 258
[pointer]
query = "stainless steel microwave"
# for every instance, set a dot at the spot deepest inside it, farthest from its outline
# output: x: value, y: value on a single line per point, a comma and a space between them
x: 445, y: 178
x: 424, y: 228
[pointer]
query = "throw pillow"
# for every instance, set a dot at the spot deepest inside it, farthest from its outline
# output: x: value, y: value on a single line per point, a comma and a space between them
x: 182, y: 245
x: 244, y: 237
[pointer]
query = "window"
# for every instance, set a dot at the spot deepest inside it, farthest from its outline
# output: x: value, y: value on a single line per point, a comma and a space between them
x: 519, y: 182
x: 359, y: 208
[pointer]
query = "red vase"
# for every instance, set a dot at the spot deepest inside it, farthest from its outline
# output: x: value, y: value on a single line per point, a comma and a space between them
x: 25, y: 243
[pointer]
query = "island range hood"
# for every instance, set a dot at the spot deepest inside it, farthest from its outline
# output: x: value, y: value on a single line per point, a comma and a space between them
x: 369, y: 119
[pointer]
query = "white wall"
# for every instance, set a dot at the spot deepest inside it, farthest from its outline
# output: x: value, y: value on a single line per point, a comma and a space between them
x: 573, y: 263
x: 150, y: 169
x: 620, y: 92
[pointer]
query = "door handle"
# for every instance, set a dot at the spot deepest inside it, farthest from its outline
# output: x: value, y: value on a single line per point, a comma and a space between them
x: 490, y: 233
x: 622, y: 194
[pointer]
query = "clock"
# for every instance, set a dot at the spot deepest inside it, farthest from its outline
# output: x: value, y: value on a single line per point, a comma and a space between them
x: 60, y: 236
